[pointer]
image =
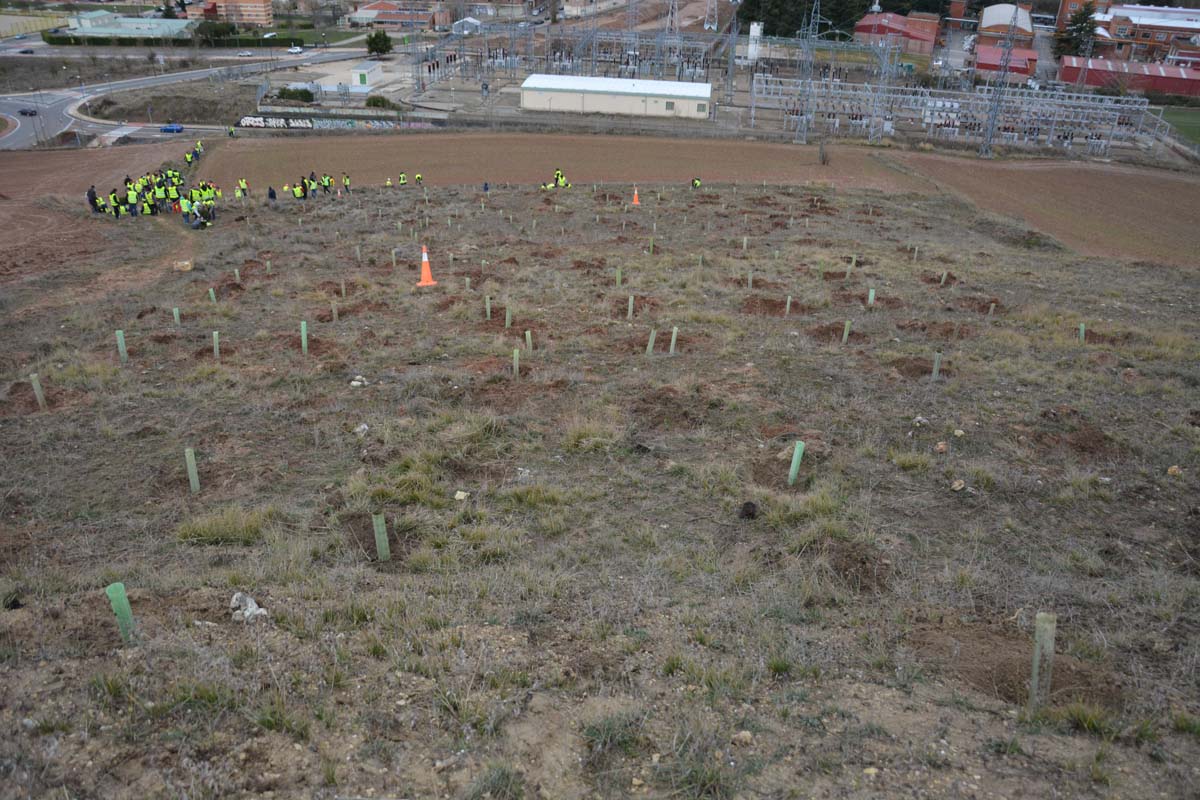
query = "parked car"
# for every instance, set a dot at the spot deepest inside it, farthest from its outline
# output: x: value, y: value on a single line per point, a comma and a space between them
x: 174, y: 127
x: 20, y: 36
x: 244, y: 54
x: 27, y: 112
x: 270, y: 35
x: 295, y: 50
x: 26, y: 52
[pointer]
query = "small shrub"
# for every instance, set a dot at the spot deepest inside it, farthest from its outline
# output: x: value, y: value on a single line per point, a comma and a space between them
x: 779, y: 666
x: 695, y: 770
x: 379, y: 101
x: 910, y: 461
x: 232, y: 525
x: 274, y: 715
x: 1005, y: 747
x: 1088, y: 718
x: 1187, y: 723
x: 303, y: 95
x: 498, y: 782
x: 612, y: 734
x: 531, y: 497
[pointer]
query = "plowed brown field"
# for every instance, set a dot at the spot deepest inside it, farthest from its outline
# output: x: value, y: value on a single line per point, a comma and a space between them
x: 1096, y: 209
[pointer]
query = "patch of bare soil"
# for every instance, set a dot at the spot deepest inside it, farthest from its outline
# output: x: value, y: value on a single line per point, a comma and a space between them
x: 916, y: 367
x: 833, y: 332
x: 642, y: 305
x: 981, y: 305
x: 667, y: 408
x: 937, y: 330
x: 759, y: 283
x: 771, y: 307
x: 935, y: 278
x: 860, y: 565
x: 1065, y: 426
x: 849, y: 298
x: 996, y: 659
x: 20, y: 399
x: 359, y: 532
x: 351, y: 310
x: 1095, y: 337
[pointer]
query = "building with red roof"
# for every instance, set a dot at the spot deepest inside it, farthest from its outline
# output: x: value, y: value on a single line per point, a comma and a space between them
x: 1023, y: 62
x: 1130, y: 75
x: 915, y: 33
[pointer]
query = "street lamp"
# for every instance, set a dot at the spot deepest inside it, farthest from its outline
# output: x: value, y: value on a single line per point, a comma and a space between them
x: 87, y: 103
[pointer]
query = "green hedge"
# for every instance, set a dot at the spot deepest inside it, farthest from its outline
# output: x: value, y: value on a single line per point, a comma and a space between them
x: 105, y: 41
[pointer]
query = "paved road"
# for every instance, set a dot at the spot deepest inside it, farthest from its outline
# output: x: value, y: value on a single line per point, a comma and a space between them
x: 54, y: 106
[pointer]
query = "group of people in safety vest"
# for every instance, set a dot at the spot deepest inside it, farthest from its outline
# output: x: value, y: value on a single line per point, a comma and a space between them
x: 306, y: 188
x: 160, y: 192
x: 560, y: 182
x: 403, y: 180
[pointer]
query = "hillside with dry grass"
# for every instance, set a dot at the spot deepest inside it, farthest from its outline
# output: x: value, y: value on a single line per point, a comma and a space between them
x: 600, y: 581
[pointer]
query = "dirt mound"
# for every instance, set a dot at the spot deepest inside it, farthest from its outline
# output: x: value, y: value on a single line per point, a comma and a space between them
x: 684, y: 343
x: 849, y: 298
x: 833, y: 331
x: 759, y: 283
x: 935, y: 278
x: 334, y: 288
x: 642, y: 304
x: 937, y: 330
x: 589, y: 266
x: 505, y: 396
x: 1065, y: 426
x: 227, y: 288
x: 1095, y: 337
x: 771, y: 307
x: 861, y: 566
x: 996, y: 659
x: 316, y: 347
x: 20, y: 399
x: 206, y: 352
x: 351, y: 310
x: 359, y: 532
x: 666, y: 408
x: 980, y: 305
x: 914, y: 367
x: 839, y: 275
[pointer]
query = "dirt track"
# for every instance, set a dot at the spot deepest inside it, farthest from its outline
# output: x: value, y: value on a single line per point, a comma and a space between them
x: 519, y: 158
x: 1095, y: 209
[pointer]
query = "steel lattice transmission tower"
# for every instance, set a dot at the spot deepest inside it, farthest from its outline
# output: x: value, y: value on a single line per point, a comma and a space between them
x: 632, y: 15
x: 672, y: 26
x: 710, y: 15
x: 808, y: 38
x: 1006, y: 47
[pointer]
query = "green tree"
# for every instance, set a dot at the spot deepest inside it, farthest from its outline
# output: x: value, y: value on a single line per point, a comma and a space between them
x: 785, y: 17
x: 1079, y: 34
x: 379, y: 43
x: 210, y: 31
x: 169, y: 12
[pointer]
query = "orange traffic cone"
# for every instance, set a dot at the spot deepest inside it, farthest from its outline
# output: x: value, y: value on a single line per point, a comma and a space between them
x: 426, y: 274
x: 636, y: 202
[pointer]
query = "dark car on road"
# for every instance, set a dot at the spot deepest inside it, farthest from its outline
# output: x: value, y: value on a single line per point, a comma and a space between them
x: 27, y: 112
x: 174, y: 127
x: 26, y: 52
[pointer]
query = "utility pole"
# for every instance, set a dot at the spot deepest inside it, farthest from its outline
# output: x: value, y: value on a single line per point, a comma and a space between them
x: 1006, y: 47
